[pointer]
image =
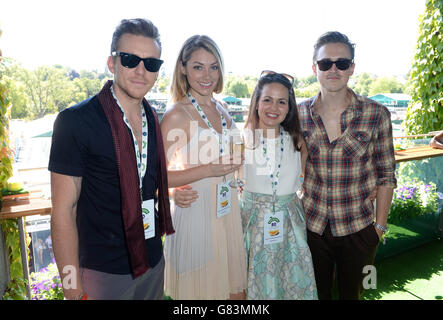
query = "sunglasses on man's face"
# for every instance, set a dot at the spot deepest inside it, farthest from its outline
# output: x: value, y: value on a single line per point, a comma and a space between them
x: 287, y: 76
x: 341, y: 64
x: 130, y: 61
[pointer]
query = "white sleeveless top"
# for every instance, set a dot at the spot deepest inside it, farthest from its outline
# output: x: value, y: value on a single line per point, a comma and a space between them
x: 256, y: 173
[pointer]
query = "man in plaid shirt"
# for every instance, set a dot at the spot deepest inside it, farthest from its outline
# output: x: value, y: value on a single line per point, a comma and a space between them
x: 351, y: 154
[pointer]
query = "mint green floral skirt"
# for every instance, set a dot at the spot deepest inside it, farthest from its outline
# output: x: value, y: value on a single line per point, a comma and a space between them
x: 281, y: 271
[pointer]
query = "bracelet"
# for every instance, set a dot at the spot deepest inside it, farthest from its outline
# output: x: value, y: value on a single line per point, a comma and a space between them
x: 380, y: 227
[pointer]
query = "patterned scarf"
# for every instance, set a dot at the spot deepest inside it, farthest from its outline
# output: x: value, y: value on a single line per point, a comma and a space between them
x: 129, y: 182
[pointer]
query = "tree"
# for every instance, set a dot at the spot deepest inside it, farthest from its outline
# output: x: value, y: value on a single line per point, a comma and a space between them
x: 385, y: 85
x: 17, y: 98
x: 85, y: 87
x: 306, y: 81
x: 5, y: 151
x: 87, y: 83
x: 162, y: 84
x: 9, y: 231
x: 308, y: 91
x: 362, y: 83
x: 237, y: 88
x: 48, y: 89
x: 425, y: 111
x: 251, y: 82
x: 16, y: 91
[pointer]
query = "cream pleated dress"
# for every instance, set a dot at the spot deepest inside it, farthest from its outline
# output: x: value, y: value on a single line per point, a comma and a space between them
x: 205, y: 258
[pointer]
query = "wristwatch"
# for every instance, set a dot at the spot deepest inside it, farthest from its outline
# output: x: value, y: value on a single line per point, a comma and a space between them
x: 380, y: 227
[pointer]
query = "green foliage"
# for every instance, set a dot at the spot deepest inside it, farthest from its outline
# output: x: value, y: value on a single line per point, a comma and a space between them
x: 46, y: 284
x: 83, y: 87
x: 425, y: 112
x: 361, y: 83
x: 161, y: 85
x: 412, y: 198
x: 306, y: 81
x: 18, y: 99
x: 237, y: 87
x: 16, y: 96
x: 5, y: 152
x: 418, y: 186
x: 364, y: 84
x: 367, y: 84
x: 13, y: 245
x: 48, y: 89
x: 16, y: 290
x: 17, y: 286
x: 385, y: 85
x: 309, y: 91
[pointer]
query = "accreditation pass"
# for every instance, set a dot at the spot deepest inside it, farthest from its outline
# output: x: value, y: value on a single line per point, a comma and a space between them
x: 148, y: 214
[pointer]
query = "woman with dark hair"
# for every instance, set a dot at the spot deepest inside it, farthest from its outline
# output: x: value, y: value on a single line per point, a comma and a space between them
x: 279, y: 260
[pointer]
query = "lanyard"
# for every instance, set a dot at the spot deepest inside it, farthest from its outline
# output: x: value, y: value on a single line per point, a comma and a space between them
x: 274, y: 175
x: 142, y: 157
x: 224, y: 136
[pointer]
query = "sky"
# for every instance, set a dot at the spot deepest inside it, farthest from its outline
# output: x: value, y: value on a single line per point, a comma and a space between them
x: 253, y: 35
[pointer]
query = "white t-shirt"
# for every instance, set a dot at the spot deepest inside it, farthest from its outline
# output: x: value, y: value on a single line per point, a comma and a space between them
x: 257, y: 175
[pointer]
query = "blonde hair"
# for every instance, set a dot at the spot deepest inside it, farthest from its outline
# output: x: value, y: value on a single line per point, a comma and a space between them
x: 180, y: 84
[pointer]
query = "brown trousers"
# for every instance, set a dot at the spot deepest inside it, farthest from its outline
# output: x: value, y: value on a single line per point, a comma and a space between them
x: 345, y: 256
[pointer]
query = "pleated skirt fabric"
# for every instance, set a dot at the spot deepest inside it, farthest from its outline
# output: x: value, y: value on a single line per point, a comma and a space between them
x: 205, y: 258
x: 280, y: 271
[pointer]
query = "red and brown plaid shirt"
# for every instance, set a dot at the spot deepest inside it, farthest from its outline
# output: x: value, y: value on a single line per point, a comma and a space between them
x: 341, y: 175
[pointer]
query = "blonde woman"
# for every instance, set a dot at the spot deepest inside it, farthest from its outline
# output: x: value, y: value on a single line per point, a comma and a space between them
x: 205, y: 258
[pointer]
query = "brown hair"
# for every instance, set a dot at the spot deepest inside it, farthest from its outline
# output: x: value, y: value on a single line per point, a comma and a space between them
x: 333, y: 37
x: 142, y: 27
x: 291, y: 123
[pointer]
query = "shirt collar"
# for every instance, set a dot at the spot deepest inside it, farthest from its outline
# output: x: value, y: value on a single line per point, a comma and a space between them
x: 355, y: 103
x: 118, y: 102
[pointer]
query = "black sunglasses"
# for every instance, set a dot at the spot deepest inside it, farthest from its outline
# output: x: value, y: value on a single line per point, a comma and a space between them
x: 341, y: 64
x: 287, y: 76
x: 129, y: 60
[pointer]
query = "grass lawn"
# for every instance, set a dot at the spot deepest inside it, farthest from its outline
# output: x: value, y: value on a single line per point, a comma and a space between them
x: 413, y: 275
